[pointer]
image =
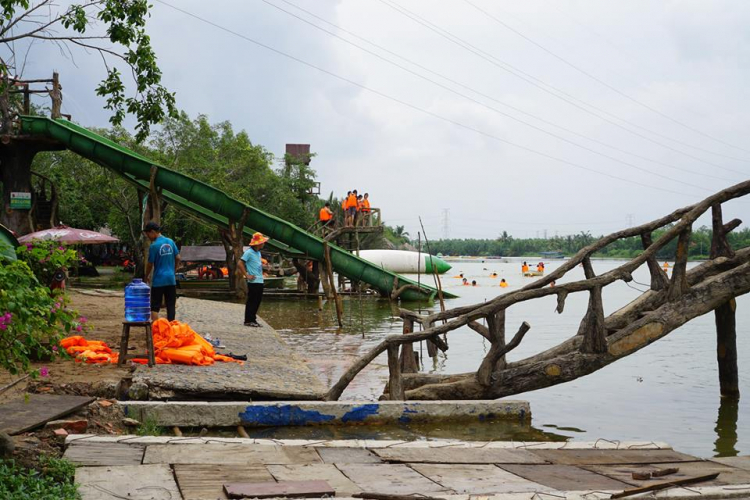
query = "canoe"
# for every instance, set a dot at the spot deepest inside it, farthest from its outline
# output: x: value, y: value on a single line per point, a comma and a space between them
x: 530, y: 274
x: 404, y: 261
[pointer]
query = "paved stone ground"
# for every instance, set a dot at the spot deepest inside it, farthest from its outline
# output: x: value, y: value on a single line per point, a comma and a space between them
x: 272, y: 370
x: 197, y: 468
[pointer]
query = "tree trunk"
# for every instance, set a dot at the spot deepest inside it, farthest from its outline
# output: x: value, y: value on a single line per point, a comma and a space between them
x: 16, y: 155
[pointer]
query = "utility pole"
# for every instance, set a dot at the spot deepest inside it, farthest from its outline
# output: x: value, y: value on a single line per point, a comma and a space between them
x: 629, y: 220
x: 446, y: 224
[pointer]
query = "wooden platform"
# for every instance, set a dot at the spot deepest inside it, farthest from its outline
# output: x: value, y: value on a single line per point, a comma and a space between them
x: 199, y: 468
x: 35, y: 410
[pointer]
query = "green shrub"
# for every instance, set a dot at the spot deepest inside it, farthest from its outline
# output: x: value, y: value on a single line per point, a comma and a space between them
x: 54, y: 482
x: 32, y: 318
x: 45, y: 258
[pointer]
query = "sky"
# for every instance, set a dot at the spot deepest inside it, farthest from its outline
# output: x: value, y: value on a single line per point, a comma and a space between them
x: 535, y: 117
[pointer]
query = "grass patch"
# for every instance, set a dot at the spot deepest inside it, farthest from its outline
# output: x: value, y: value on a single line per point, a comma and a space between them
x: 149, y: 428
x: 53, y: 481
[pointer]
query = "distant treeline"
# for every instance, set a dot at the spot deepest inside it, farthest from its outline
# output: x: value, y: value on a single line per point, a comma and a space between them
x: 508, y: 246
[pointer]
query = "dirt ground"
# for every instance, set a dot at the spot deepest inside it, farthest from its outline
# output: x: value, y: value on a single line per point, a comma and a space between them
x: 104, y: 314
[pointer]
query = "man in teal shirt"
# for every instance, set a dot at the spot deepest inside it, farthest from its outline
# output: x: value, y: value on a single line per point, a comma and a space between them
x: 163, y: 258
x: 251, y: 266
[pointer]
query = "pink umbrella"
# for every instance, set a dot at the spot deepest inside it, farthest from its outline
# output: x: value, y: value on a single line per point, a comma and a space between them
x: 70, y: 235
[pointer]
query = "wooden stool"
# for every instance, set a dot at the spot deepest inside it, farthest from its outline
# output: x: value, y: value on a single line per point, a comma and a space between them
x: 124, y: 356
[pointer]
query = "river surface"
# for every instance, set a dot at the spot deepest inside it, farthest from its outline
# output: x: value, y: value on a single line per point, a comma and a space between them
x: 668, y: 391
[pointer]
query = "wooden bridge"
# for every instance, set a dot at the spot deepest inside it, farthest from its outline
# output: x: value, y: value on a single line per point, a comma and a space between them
x: 599, y: 341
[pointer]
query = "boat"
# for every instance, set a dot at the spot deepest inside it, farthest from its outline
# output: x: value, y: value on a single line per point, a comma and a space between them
x: 189, y: 283
x: 556, y: 254
x: 404, y: 261
x: 530, y: 274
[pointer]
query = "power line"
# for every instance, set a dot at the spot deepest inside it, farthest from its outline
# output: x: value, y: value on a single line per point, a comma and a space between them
x: 602, y: 82
x: 681, y: 169
x: 552, y: 90
x: 415, y: 107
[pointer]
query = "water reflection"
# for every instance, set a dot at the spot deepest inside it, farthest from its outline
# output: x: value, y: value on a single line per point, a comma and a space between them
x: 726, y: 428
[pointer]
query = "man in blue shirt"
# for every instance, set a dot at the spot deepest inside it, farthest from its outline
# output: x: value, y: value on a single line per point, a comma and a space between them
x: 163, y: 258
x: 251, y: 266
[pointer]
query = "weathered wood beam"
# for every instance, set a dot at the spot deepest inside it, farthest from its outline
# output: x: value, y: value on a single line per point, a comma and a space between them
x: 592, y: 325
x: 494, y: 358
x: 408, y: 361
x: 570, y: 364
x: 395, y: 382
x: 725, y: 315
x: 659, y: 279
x: 491, y: 367
x: 480, y: 329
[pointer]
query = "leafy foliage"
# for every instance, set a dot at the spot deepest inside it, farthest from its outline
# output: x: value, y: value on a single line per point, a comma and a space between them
x: 33, y: 317
x: 116, y: 30
x: 45, y: 258
x: 55, y: 480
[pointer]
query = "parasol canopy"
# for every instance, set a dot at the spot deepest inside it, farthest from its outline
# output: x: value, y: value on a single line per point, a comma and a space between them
x: 70, y: 235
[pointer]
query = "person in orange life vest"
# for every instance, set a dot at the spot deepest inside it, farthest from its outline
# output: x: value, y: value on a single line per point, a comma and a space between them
x: 503, y: 283
x: 326, y: 215
x: 345, y: 207
x: 351, y: 207
x: 358, y: 220
x: 474, y: 283
x: 525, y: 267
x: 465, y: 282
x: 366, y: 210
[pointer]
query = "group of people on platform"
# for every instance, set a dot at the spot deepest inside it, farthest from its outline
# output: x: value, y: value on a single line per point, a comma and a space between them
x: 356, y: 208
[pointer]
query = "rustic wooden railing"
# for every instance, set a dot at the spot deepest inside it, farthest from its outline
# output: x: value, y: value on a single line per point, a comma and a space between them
x: 599, y: 340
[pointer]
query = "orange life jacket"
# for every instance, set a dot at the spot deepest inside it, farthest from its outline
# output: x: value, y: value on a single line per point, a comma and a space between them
x: 325, y: 214
x: 366, y: 205
x: 351, y: 202
x: 525, y: 269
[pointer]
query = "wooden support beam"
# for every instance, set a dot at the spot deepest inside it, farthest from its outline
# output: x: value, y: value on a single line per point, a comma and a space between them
x: 679, y: 285
x: 493, y: 360
x: 725, y: 316
x: 659, y: 279
x: 408, y: 362
x: 395, y: 381
x: 592, y: 325
x: 337, y: 301
x: 485, y: 377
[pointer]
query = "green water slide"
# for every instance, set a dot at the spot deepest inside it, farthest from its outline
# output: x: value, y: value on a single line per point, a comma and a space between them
x: 8, y: 243
x: 215, y: 206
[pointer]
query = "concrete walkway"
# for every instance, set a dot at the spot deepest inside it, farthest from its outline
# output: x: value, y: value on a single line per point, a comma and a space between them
x: 273, y: 371
x: 197, y: 468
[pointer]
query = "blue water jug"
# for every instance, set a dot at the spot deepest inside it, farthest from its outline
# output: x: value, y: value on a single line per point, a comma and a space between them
x: 137, y: 301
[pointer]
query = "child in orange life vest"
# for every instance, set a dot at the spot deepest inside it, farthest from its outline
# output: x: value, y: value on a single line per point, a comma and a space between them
x: 503, y: 283
x: 525, y: 267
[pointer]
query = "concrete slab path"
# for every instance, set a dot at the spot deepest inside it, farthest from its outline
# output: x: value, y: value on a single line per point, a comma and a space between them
x: 273, y: 370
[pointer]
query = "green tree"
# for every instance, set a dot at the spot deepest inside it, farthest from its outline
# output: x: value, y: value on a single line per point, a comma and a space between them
x: 115, y: 30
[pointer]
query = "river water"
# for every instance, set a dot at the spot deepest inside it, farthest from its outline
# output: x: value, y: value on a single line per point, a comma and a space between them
x: 665, y: 392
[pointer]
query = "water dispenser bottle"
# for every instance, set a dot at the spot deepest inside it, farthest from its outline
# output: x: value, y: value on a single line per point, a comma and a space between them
x: 137, y: 301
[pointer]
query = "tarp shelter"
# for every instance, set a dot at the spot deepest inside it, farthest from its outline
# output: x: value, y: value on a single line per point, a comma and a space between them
x: 204, y: 253
x: 69, y: 235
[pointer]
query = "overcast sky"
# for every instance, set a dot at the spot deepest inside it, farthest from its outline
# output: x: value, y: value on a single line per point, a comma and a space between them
x: 631, y: 109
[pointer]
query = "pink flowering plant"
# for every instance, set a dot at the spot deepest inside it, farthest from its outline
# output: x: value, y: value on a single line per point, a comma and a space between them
x: 32, y: 318
x: 45, y: 258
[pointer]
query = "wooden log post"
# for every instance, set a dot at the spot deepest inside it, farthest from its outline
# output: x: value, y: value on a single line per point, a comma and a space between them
x: 493, y: 361
x: 232, y: 239
x: 332, y: 285
x: 55, y: 94
x: 679, y: 285
x: 395, y: 381
x: 659, y: 279
x: 725, y: 316
x: 592, y: 325
x: 408, y: 361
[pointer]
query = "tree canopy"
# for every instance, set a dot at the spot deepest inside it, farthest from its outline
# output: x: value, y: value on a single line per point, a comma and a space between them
x: 113, y: 29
